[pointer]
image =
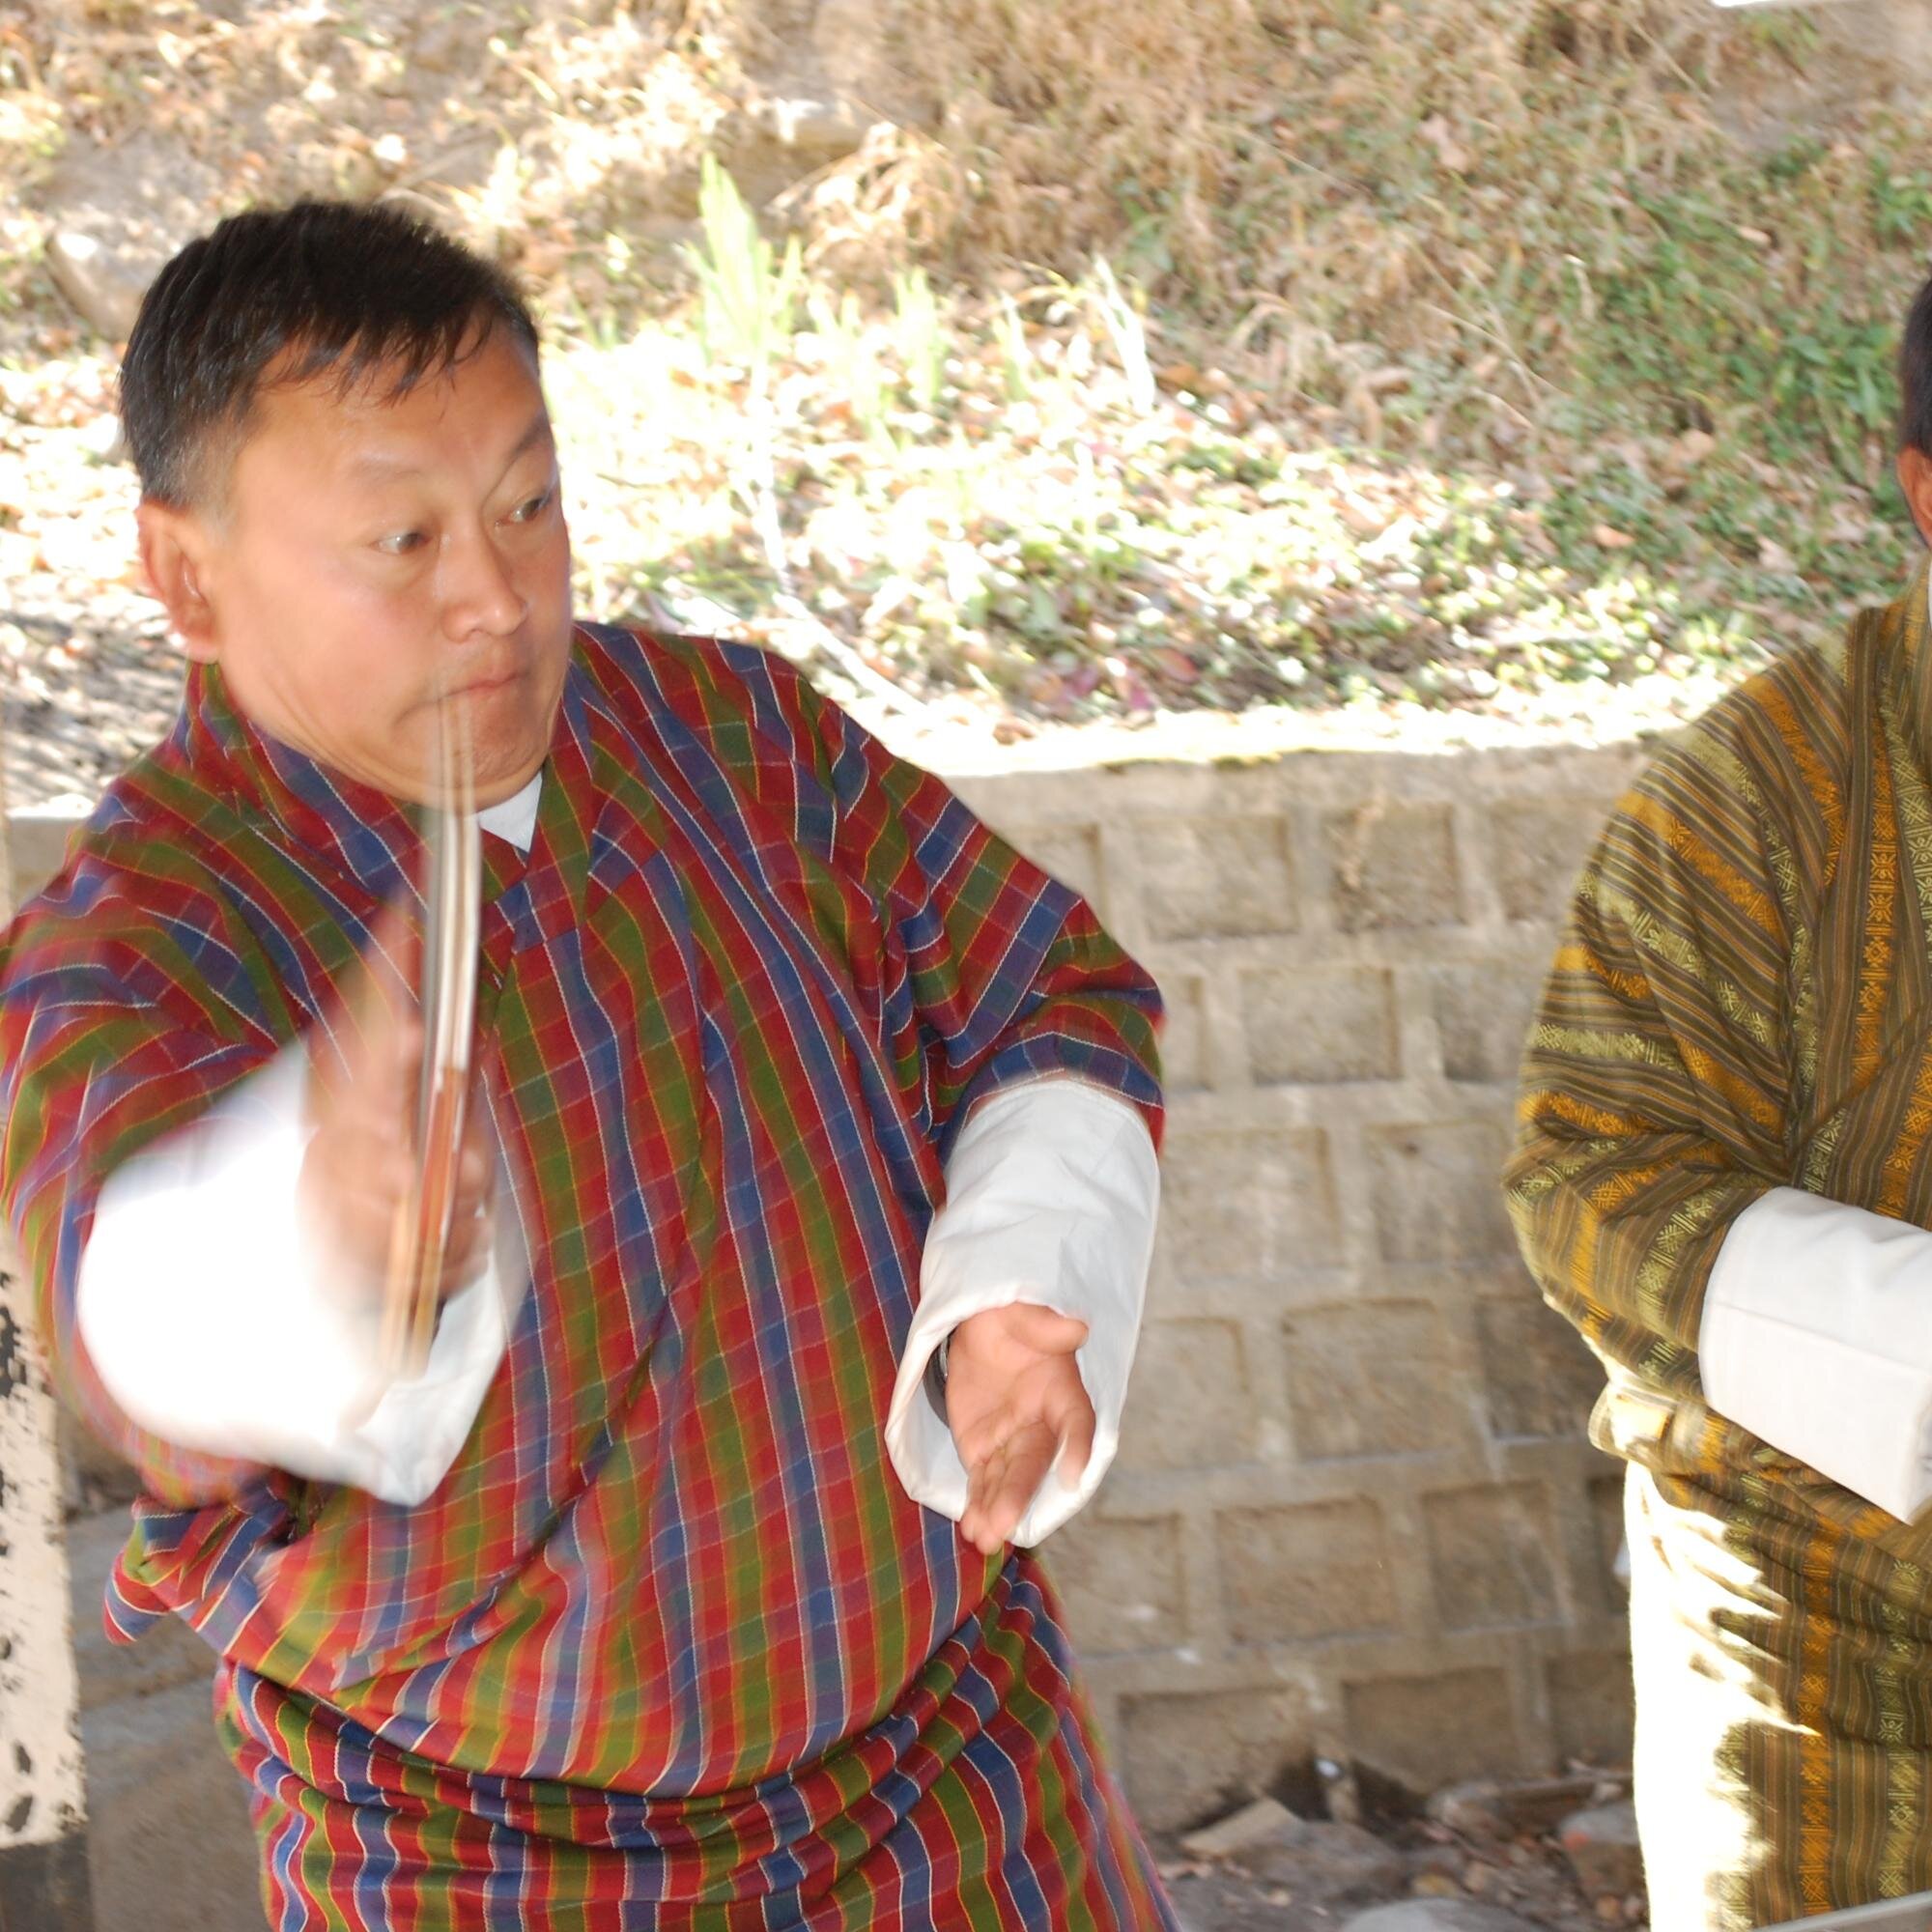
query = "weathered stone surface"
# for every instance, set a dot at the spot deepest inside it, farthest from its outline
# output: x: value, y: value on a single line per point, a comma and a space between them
x: 1192, y: 1755
x: 1489, y: 1556
x: 1430, y: 1730
x: 169, y: 1842
x: 1313, y: 1026
x: 1491, y: 1807
x: 1217, y: 878
x: 1323, y: 1864
x: 791, y: 124
x: 1606, y: 1511
x: 103, y: 281
x: 1437, y: 1914
x: 1250, y: 1203
x: 1241, y: 1830
x: 1312, y: 1570
x: 1394, y: 865
x: 1265, y: 1821
x: 1184, y: 1039
x: 44, y: 1885
x: 1602, y: 1846
x: 118, y: 213
x: 94, y: 1477
x: 37, y: 840
x: 1372, y: 1381
x: 1121, y: 1581
x: 166, y: 1656
x: 1188, y: 1406
x: 1540, y: 844
x: 1366, y: 1379
x: 1482, y: 1016
x: 1590, y: 1706
x: 1069, y: 853
x: 1437, y: 1195
x: 1329, y: 1865
x: 1539, y: 1379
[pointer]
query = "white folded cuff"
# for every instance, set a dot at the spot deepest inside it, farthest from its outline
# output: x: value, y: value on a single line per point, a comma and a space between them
x: 1816, y: 1336
x: 220, y: 1322
x: 1052, y: 1190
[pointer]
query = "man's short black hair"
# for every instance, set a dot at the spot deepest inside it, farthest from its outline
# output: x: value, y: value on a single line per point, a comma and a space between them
x: 1915, y: 375
x: 346, y: 287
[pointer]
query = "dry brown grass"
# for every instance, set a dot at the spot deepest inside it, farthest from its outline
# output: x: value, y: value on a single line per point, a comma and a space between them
x: 1065, y: 116
x: 1609, y: 261
x: 1322, y: 189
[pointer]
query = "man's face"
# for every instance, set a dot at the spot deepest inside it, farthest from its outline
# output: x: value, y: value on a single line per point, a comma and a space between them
x: 372, y: 555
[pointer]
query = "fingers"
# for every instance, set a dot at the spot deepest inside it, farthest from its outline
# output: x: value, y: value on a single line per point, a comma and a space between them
x: 1003, y: 1482
x: 1010, y: 1440
x: 1011, y: 1461
x: 468, y: 1251
x: 354, y: 1190
x: 361, y: 1165
x: 473, y: 1218
x: 1076, y: 1441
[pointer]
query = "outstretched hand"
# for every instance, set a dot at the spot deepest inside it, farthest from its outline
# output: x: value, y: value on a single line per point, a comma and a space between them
x: 1014, y: 1400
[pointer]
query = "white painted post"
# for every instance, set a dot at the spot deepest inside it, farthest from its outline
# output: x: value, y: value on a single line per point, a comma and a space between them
x: 43, y: 1884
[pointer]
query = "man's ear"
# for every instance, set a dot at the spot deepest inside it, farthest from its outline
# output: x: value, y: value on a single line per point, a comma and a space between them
x: 1914, y: 480
x: 174, y: 554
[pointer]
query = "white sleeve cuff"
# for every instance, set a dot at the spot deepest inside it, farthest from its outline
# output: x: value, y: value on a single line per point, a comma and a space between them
x: 1052, y: 1189
x: 212, y: 1316
x: 1816, y: 1336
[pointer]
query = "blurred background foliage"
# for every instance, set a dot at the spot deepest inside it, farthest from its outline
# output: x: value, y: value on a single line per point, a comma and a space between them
x: 1035, y: 361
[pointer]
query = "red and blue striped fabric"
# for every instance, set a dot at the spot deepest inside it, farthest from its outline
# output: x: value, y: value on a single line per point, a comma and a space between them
x: 669, y: 1646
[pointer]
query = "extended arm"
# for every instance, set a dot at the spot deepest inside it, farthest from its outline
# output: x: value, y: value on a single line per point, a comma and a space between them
x: 1051, y: 1196
x: 1027, y: 1040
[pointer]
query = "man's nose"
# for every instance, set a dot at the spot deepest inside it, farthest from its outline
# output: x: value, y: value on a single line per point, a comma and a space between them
x: 479, y: 589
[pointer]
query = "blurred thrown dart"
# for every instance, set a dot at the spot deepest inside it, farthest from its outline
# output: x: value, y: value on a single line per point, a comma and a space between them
x: 453, y: 901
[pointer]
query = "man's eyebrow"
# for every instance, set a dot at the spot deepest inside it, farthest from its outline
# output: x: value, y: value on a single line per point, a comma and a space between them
x: 382, y: 466
x: 538, y: 431
x: 386, y: 467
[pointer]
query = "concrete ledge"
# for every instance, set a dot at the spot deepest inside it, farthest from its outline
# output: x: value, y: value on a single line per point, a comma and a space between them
x: 45, y: 1886
x: 168, y: 1846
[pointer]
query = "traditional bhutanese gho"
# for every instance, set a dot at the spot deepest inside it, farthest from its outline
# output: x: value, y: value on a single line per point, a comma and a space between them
x: 1723, y: 1176
x: 670, y: 1645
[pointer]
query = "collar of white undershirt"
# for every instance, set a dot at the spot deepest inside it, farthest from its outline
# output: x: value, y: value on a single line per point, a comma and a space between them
x: 515, y: 817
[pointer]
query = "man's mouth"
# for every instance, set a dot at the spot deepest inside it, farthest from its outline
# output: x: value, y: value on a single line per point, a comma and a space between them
x: 483, y: 686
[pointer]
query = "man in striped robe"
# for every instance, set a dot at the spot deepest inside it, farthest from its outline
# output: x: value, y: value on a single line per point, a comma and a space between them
x: 680, y: 1590
x: 1723, y: 1178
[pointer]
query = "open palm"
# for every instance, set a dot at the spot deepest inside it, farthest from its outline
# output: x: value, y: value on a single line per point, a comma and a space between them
x: 1014, y: 1400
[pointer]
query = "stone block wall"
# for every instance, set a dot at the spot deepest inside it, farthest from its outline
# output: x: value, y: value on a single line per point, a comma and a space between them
x: 1354, y: 1514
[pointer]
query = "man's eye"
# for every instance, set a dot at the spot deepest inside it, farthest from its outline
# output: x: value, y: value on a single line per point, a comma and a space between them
x: 402, y: 542
x: 532, y: 507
